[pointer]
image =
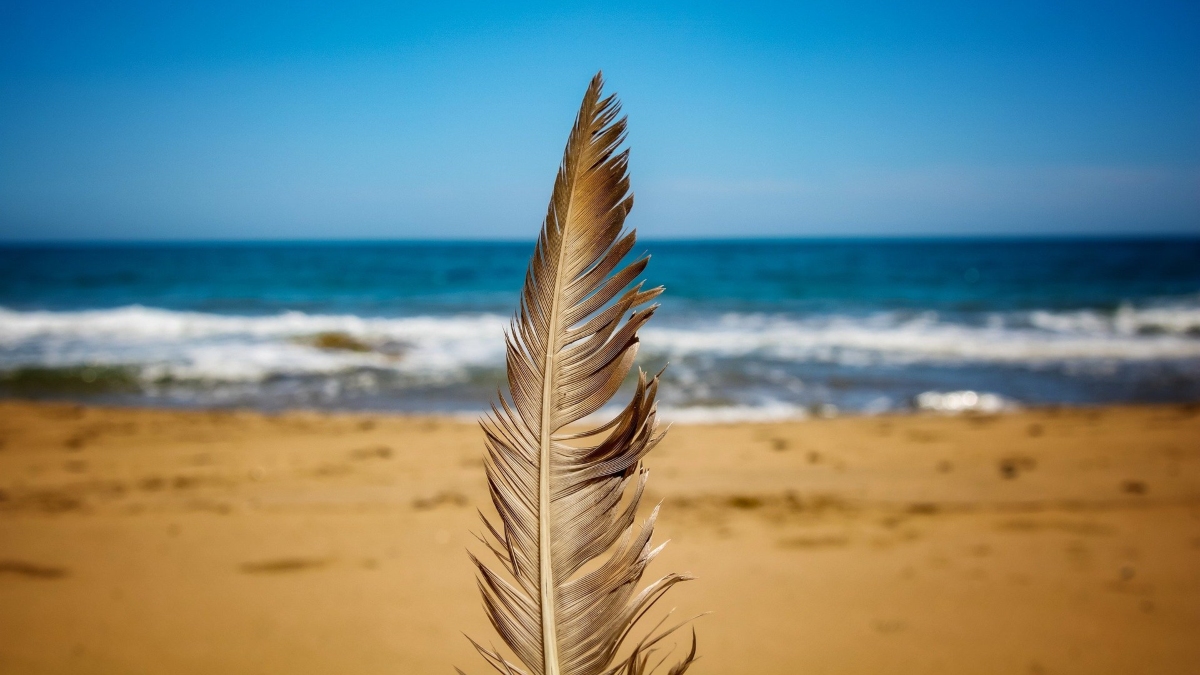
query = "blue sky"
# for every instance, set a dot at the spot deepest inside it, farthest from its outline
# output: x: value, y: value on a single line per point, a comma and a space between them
x: 356, y: 120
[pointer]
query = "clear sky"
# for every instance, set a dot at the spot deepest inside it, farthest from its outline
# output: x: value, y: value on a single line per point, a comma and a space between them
x: 236, y: 120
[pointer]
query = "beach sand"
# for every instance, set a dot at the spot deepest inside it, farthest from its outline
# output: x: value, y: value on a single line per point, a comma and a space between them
x: 1044, y: 541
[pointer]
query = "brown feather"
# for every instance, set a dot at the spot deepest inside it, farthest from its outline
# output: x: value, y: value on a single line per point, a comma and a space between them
x: 563, y: 505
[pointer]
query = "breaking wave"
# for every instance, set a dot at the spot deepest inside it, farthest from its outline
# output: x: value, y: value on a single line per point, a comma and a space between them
x: 1020, y: 338
x: 729, y: 366
x: 196, y: 346
x: 190, y: 345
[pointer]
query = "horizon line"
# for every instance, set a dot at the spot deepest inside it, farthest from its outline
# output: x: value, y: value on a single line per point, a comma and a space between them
x: 1054, y: 236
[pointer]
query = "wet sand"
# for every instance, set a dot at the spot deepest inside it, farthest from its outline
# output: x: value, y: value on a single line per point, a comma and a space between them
x: 1046, y: 541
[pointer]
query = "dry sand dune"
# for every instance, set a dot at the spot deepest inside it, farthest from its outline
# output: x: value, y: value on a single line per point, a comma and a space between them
x: 1051, y: 541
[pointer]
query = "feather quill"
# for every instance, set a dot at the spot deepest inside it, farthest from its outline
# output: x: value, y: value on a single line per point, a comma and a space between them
x: 563, y: 499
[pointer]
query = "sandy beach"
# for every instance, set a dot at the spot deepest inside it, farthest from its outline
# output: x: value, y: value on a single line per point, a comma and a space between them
x: 1043, y: 541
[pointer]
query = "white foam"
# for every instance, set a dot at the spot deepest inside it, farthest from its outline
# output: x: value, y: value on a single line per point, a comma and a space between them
x: 896, y: 339
x: 768, y: 412
x: 150, y: 324
x: 1178, y: 319
x: 954, y: 402
x: 193, y: 345
x: 198, y: 346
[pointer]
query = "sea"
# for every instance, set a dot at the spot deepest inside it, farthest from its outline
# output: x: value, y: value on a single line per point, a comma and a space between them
x: 747, y: 330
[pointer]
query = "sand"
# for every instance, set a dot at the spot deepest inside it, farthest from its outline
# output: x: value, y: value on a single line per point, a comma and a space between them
x: 1046, y: 541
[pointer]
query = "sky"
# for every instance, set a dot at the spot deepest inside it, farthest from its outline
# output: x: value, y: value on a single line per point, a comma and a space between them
x: 301, y: 120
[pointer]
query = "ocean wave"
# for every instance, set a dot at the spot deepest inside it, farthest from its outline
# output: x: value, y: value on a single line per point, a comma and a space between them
x: 191, y: 345
x: 1127, y: 320
x: 138, y: 323
x: 165, y: 344
x: 925, y: 338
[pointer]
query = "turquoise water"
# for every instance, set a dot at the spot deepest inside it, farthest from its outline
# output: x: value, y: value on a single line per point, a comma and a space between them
x: 750, y: 328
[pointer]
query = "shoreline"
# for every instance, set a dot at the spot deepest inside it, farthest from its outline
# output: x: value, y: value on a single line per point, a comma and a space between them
x: 197, y: 541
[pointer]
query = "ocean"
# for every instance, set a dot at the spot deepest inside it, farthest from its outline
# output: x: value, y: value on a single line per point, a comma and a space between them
x: 747, y: 329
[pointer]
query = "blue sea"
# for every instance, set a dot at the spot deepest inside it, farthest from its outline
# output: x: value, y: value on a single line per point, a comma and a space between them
x: 750, y: 329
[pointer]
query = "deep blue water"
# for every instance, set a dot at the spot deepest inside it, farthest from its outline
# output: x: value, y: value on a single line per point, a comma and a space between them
x: 394, y: 279
x: 747, y: 325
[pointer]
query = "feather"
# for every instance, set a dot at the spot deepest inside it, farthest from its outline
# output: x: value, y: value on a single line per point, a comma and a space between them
x: 569, y: 499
